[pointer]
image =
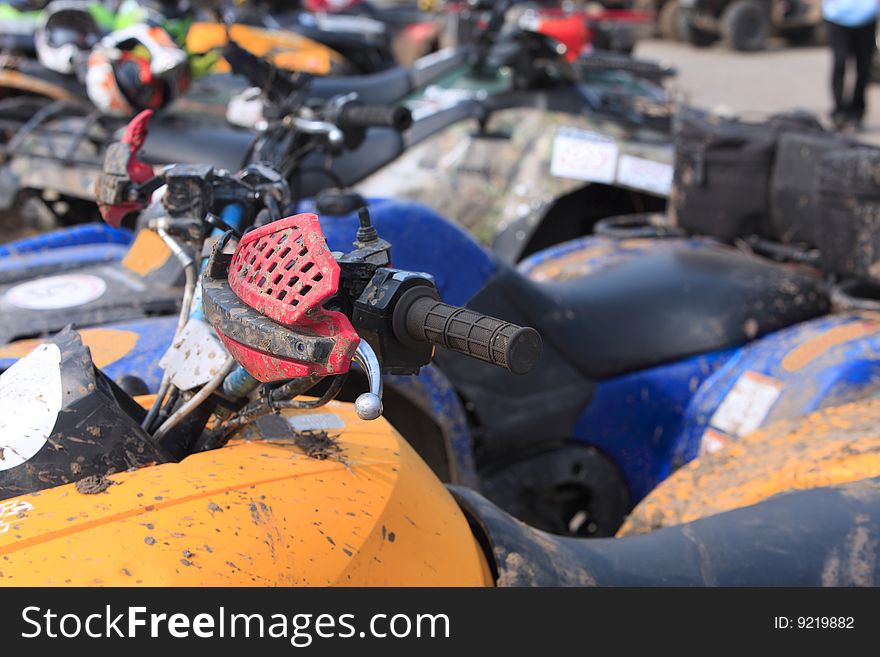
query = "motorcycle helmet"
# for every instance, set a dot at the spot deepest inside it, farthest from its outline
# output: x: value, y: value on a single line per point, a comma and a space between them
x: 65, y: 34
x: 134, y: 69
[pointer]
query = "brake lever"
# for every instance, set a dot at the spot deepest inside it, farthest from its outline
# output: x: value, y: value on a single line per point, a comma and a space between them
x: 335, y: 137
x: 368, y: 405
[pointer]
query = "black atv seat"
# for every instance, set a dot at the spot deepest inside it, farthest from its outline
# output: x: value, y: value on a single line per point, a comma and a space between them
x: 390, y: 86
x: 179, y: 140
x: 184, y: 141
x: 665, y: 307
x: 381, y: 88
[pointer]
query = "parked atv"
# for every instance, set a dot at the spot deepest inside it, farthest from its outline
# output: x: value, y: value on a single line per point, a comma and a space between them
x: 488, y: 102
x: 681, y: 383
x: 144, y: 503
x: 746, y: 25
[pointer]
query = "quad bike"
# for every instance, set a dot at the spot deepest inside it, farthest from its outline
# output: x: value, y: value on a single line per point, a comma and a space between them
x: 287, y: 487
x: 615, y: 405
x: 489, y: 102
x: 746, y: 25
x: 370, y: 36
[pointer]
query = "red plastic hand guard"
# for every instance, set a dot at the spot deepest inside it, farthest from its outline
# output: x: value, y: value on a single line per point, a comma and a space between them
x: 285, y: 271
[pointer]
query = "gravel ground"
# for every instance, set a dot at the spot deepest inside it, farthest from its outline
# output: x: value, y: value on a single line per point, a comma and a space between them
x: 754, y: 84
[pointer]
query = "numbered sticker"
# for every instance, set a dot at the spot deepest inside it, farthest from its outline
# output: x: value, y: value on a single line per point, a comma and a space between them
x: 584, y: 155
x: 639, y: 173
x: 747, y: 404
x: 54, y: 292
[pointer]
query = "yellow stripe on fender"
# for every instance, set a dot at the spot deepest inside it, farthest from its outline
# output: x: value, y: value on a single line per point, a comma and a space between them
x: 804, y: 354
x: 107, y: 345
x: 253, y: 513
x: 833, y: 446
x: 147, y: 253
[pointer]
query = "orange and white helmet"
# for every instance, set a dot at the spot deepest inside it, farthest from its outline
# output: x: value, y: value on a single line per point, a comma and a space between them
x: 134, y: 69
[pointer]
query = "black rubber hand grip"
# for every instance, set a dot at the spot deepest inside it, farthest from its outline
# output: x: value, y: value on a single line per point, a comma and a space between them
x: 259, y: 72
x: 473, y: 334
x: 355, y: 115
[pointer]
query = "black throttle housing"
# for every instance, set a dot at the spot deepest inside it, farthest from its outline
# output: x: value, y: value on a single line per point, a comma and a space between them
x: 373, y: 317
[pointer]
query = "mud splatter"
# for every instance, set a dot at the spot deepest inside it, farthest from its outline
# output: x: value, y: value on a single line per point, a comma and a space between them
x: 320, y: 447
x: 94, y: 484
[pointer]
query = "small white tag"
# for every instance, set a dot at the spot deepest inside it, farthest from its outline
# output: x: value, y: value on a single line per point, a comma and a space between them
x: 713, y: 441
x: 583, y: 155
x: 645, y: 174
x: 195, y: 357
x: 351, y: 24
x: 329, y: 424
x: 747, y: 404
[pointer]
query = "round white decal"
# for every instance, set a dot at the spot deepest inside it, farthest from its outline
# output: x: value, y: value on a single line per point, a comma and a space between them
x: 30, y: 400
x: 52, y: 292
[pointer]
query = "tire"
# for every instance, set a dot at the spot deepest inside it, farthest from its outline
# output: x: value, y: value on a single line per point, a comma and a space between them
x: 745, y: 25
x: 694, y: 35
x: 669, y: 21
x: 574, y: 490
x: 801, y: 36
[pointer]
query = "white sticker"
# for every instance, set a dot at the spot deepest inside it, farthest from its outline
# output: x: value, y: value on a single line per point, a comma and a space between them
x: 713, y: 441
x: 747, y: 404
x: 429, y: 60
x: 348, y: 23
x: 328, y: 424
x: 437, y: 99
x: 195, y: 357
x: 645, y: 174
x: 30, y: 400
x: 583, y: 155
x: 10, y: 512
x: 53, y: 292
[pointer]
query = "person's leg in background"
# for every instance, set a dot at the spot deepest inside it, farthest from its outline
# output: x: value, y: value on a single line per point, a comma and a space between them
x: 838, y: 39
x: 864, y: 43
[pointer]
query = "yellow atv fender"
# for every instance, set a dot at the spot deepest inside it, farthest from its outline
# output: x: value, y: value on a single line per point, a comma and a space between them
x: 286, y: 50
x: 259, y: 511
x: 827, y: 448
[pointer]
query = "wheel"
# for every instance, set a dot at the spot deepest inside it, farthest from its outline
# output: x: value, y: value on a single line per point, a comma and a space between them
x: 697, y: 37
x: 669, y: 21
x: 571, y: 491
x: 745, y: 25
x: 693, y: 34
x: 800, y: 36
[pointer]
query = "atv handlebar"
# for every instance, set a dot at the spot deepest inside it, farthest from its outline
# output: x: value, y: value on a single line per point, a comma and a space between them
x: 421, y: 317
x: 355, y: 115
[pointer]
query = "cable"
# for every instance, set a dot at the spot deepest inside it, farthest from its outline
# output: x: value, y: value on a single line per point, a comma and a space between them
x: 261, y: 407
x: 195, y: 401
x: 157, y: 403
x: 189, y: 269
